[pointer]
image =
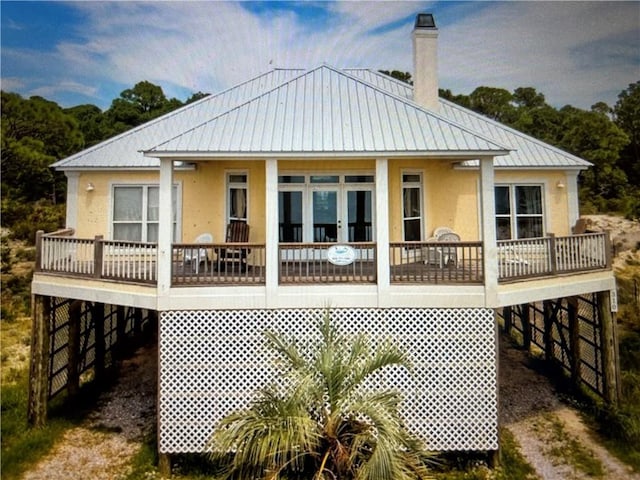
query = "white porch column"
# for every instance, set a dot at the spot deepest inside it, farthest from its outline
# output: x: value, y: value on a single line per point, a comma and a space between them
x: 382, y: 227
x: 488, y: 224
x: 165, y: 226
x: 271, y: 230
x: 573, y: 208
x: 73, y: 181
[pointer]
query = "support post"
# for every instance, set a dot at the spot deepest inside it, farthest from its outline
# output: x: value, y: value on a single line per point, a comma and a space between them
x: 164, y: 465
x: 39, y: 235
x: 73, y: 350
x: 609, y: 348
x: 526, y: 326
x: 507, y: 314
x: 549, y: 318
x: 98, y: 321
x: 121, y: 332
x: 552, y: 253
x: 574, y: 342
x: 39, y: 368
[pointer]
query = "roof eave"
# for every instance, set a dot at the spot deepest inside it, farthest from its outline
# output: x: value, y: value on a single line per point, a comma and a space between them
x: 457, y: 154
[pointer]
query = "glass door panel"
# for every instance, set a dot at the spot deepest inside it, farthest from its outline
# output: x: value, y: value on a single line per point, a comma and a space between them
x: 290, y: 216
x: 359, y: 213
x: 325, y: 215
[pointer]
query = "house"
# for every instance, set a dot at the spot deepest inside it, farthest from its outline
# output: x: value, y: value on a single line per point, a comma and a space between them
x: 342, y: 176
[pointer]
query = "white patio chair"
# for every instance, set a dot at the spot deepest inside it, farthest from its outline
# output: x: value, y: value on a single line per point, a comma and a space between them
x: 198, y: 255
x: 441, y: 231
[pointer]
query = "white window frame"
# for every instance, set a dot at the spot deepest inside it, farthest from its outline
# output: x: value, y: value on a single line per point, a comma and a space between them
x: 513, y: 212
x: 420, y: 185
x: 177, y: 186
x: 236, y: 185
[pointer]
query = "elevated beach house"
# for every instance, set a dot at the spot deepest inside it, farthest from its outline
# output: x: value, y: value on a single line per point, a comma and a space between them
x: 257, y: 207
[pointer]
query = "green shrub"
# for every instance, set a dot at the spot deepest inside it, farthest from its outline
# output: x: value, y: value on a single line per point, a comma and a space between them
x: 41, y: 215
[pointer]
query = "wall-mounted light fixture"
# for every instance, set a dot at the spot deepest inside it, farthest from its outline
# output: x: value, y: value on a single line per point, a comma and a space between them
x: 90, y: 187
x: 560, y: 184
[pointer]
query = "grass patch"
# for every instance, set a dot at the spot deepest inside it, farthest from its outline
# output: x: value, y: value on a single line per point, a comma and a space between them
x: 469, y: 466
x: 571, y: 451
x: 23, y: 446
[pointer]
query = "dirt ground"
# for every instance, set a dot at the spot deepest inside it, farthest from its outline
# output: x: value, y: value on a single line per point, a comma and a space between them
x: 104, y: 445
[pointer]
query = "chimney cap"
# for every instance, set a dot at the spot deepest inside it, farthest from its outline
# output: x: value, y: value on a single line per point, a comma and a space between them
x: 425, y: 20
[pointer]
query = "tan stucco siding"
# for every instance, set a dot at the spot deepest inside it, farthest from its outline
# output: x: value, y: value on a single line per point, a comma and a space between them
x: 450, y: 196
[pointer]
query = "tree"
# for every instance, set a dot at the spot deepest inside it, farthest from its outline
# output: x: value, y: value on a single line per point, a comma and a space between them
x: 398, y: 75
x: 93, y: 124
x: 627, y: 117
x: 494, y: 103
x: 137, y: 105
x: 324, y: 425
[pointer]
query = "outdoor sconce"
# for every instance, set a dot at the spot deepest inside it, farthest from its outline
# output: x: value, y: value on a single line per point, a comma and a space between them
x: 560, y: 184
x: 90, y: 187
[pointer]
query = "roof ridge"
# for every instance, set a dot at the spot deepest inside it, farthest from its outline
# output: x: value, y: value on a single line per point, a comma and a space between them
x: 338, y: 71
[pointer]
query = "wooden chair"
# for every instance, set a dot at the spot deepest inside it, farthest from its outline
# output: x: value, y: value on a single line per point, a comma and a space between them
x: 234, y: 257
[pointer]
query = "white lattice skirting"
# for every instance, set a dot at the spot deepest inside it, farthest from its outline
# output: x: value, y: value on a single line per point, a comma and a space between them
x: 212, y: 362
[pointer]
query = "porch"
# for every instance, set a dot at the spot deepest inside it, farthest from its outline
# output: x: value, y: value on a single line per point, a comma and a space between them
x: 405, y: 263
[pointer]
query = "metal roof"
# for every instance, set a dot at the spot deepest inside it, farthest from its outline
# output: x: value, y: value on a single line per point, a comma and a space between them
x: 311, y: 112
x: 526, y: 151
x: 327, y: 111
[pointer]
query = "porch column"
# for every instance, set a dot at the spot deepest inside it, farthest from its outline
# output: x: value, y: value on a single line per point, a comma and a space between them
x: 573, y: 209
x: 73, y: 182
x: 165, y: 226
x: 271, y: 230
x: 488, y: 227
x: 382, y: 226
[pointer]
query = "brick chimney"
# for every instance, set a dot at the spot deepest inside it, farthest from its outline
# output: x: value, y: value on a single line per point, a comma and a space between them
x: 425, y: 62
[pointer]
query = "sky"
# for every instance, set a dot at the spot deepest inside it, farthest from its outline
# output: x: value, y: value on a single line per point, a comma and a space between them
x: 73, y: 53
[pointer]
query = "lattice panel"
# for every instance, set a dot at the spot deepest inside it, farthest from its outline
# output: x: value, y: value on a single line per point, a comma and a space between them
x: 212, y: 362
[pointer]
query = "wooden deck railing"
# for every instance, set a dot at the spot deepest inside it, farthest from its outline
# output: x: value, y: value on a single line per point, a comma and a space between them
x: 218, y: 264
x: 537, y: 257
x: 436, y: 262
x: 308, y: 263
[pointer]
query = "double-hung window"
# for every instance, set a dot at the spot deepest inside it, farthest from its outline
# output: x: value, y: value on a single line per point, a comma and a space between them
x: 412, y: 206
x: 519, y: 211
x: 135, y: 212
x: 237, y: 197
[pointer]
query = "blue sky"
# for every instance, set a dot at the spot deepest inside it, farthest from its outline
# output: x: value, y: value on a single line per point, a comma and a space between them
x: 575, y: 53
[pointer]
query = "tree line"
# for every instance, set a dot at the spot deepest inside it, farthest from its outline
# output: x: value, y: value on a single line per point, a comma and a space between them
x: 36, y: 132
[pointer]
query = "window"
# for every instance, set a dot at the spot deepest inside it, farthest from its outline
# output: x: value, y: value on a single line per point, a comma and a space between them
x: 519, y: 212
x: 135, y: 212
x: 237, y: 197
x: 412, y: 206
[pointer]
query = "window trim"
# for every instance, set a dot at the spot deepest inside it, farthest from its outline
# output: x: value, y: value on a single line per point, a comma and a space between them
x: 420, y: 185
x: 228, y: 185
x: 513, y: 212
x: 145, y: 185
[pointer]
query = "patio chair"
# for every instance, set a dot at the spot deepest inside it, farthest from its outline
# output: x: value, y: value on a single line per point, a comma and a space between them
x: 438, y: 232
x: 443, y: 255
x: 198, y: 255
x: 237, y: 232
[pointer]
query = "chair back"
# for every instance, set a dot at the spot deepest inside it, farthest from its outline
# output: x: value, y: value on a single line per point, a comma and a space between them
x: 237, y: 232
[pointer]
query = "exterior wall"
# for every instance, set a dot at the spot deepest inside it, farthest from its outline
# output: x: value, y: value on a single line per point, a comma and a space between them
x: 450, y: 196
x: 556, y: 202
x: 212, y: 362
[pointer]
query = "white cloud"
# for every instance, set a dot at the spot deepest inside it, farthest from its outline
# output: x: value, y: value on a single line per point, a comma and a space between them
x: 556, y: 47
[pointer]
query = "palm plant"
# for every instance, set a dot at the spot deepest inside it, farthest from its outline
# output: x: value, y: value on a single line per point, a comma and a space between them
x: 323, y: 424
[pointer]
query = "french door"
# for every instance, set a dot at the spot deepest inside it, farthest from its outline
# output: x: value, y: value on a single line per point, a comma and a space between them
x: 337, y: 213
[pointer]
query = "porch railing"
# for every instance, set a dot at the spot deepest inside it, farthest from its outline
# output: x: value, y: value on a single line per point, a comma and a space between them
x: 436, y: 262
x: 309, y: 263
x: 536, y: 257
x: 218, y: 264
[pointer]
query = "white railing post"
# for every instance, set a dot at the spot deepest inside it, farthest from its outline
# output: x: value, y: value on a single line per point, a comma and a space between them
x: 488, y: 224
x: 165, y: 226
x: 272, y: 255
x: 383, y: 275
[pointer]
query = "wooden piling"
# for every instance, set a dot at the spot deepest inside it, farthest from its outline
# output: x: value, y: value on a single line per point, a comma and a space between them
x: 73, y: 350
x: 609, y: 348
x: 574, y: 342
x: 549, y: 318
x: 526, y: 326
x: 39, y: 366
x: 97, y: 313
